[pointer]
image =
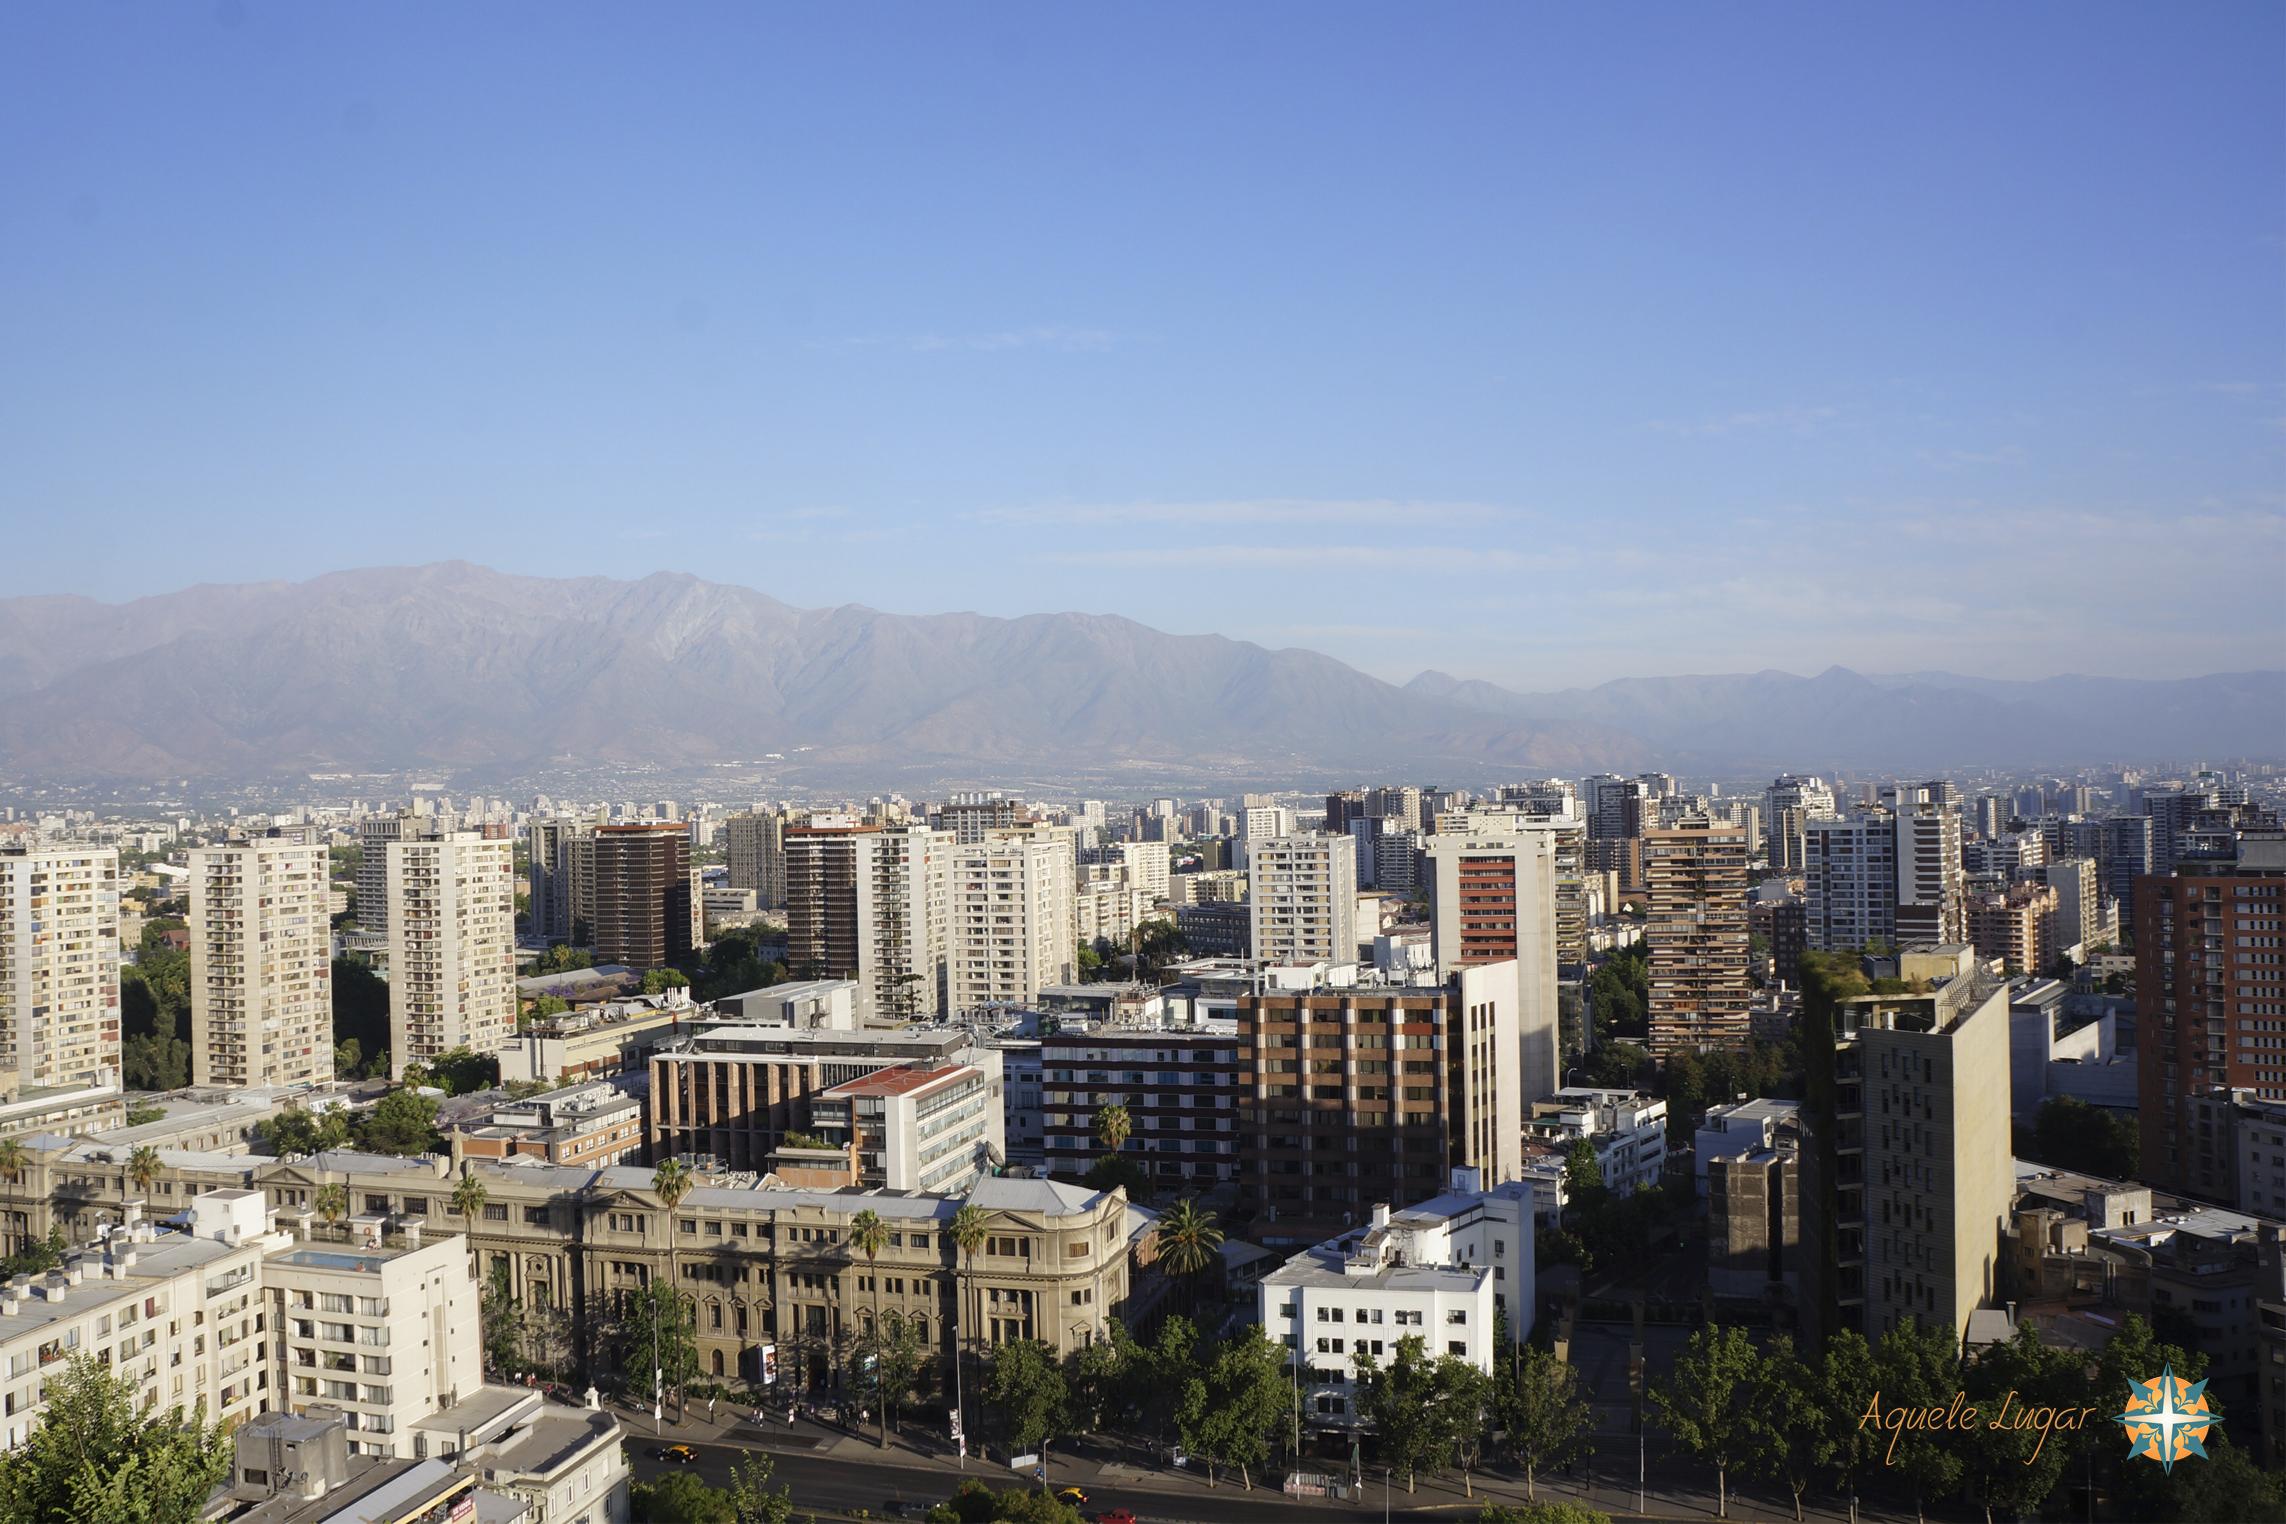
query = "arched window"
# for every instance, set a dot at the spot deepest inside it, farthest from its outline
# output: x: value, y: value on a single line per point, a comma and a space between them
x: 718, y: 1362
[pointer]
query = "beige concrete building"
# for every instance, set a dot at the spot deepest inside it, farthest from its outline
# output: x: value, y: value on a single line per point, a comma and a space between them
x: 754, y: 850
x: 261, y: 964
x: 1302, y: 893
x: 2017, y: 927
x: 765, y: 1266
x: 1013, y: 927
x: 452, y: 946
x: 1924, y: 1110
x: 59, y: 979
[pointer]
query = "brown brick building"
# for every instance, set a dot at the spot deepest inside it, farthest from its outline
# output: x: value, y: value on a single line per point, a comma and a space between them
x: 1696, y: 878
x: 2210, y: 1000
x: 645, y: 906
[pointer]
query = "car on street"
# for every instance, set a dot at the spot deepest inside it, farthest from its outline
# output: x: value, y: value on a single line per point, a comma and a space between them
x: 674, y: 1455
x: 1071, y: 1495
x: 1115, y: 1516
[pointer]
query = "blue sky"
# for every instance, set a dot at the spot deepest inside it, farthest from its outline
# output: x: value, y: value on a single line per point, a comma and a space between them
x: 1540, y: 343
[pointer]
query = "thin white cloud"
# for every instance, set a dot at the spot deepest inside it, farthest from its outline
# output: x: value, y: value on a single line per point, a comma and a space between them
x: 1394, y: 512
x: 1311, y: 557
x: 1791, y: 419
x: 1048, y: 336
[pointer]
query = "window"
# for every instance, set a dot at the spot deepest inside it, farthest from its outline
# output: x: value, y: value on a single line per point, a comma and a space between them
x: 1456, y: 1346
x: 495, y: 1212
x: 536, y: 1216
x: 1458, y: 1317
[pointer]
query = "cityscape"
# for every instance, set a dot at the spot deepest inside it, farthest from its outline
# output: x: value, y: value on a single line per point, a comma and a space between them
x: 1202, y: 766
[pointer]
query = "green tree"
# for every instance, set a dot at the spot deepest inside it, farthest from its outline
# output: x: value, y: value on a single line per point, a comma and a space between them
x: 348, y: 1055
x: 468, y: 1195
x: 1583, y: 1171
x: 13, y: 1160
x: 332, y: 1203
x: 1704, y: 1403
x: 1248, y: 1398
x: 658, y: 981
x: 37, y: 1256
x: 677, y: 1497
x: 893, y: 1348
x: 501, y: 1317
x: 1113, y: 1126
x: 1099, y: 1378
x: 1543, y: 1419
x: 1162, y: 1375
x: 548, y: 1005
x: 2012, y: 1470
x: 1400, y: 1403
x: 94, y: 1459
x: 1541, y: 1513
x: 1117, y: 1172
x: 1919, y: 1367
x: 658, y: 1321
x: 143, y: 1168
x: 360, y: 1005
x: 140, y: 1112
x: 975, y: 1503
x: 970, y: 1227
x: 869, y: 1235
x: 752, y: 1499
x: 1188, y: 1243
x: 2069, y: 1133
x: 1025, y: 1386
x: 1787, y: 1394
x: 462, y: 1072
x: 1847, y: 1381
x: 403, y: 1122
x: 2137, y: 1353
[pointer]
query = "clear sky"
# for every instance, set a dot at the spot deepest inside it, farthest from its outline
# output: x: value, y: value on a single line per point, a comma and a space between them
x: 1544, y: 343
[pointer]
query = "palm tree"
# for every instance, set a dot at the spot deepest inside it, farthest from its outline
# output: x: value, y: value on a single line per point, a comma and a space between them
x: 671, y: 1182
x: 468, y: 1196
x: 968, y: 1234
x: 332, y: 1203
x: 1112, y: 1126
x: 869, y: 1235
x: 143, y: 1167
x: 13, y: 1160
x: 1188, y: 1241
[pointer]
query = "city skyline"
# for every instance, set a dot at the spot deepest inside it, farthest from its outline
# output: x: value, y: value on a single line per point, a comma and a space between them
x: 1675, y: 342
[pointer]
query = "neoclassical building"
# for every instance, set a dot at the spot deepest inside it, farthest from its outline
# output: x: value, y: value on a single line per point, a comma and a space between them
x: 762, y: 1264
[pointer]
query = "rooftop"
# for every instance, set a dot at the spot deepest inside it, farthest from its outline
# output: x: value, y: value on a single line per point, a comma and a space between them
x: 903, y: 1080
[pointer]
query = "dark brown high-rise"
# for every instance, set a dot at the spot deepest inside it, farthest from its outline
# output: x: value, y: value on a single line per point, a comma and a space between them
x: 644, y: 905
x: 2210, y: 1002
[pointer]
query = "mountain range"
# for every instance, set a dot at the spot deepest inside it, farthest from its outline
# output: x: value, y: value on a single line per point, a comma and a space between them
x: 461, y: 668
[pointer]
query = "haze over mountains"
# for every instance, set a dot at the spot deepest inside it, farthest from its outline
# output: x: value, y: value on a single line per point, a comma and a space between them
x: 458, y: 667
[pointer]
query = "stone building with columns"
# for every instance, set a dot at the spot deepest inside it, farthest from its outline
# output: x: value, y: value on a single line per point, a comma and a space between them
x: 762, y: 1264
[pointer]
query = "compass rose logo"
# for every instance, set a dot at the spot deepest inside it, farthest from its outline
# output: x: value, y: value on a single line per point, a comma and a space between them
x: 2167, y: 1419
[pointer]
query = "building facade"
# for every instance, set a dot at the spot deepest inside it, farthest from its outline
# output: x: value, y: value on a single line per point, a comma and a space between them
x: 647, y: 904
x: 59, y: 972
x: 261, y: 964
x: 1302, y: 898
x: 1492, y: 899
x: 1695, y: 875
x: 452, y: 946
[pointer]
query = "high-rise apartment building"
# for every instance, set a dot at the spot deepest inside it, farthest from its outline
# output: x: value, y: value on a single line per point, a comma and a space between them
x: 2210, y: 996
x: 1302, y: 893
x: 452, y: 946
x: 1931, y: 898
x: 561, y: 850
x: 59, y: 970
x: 1178, y: 1088
x: 374, y: 833
x: 2126, y: 856
x: 972, y: 817
x: 1907, y: 1176
x: 647, y: 903
x: 2080, y: 918
x: 754, y: 850
x: 1013, y: 929
x: 1696, y: 878
x: 1850, y: 881
x: 873, y: 905
x: 261, y: 963
x: 1149, y: 865
x: 1789, y: 805
x: 1349, y: 1097
x: 1492, y: 899
x: 2017, y: 925
x: 1342, y: 808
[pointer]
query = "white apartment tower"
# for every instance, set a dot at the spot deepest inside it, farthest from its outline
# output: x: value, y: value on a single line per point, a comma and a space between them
x: 59, y: 969
x: 1013, y: 925
x: 1932, y: 899
x: 452, y: 946
x: 261, y: 963
x: 1850, y: 867
x: 1303, y: 891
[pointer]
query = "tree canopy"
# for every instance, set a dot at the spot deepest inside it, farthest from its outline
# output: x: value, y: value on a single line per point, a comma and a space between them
x: 94, y: 1459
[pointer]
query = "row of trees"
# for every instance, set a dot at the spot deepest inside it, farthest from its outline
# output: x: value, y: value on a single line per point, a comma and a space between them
x: 1798, y: 1424
x: 94, y: 1459
x: 677, y: 1497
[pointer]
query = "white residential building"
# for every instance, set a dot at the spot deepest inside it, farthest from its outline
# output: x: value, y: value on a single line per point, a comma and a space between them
x: 1627, y: 1128
x: 178, y: 1315
x: 1147, y: 865
x: 59, y: 971
x: 1850, y: 898
x: 1013, y: 925
x: 261, y: 963
x: 1442, y: 1271
x: 452, y: 946
x: 920, y: 1128
x: 385, y: 1335
x: 1303, y: 899
x: 1492, y: 897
